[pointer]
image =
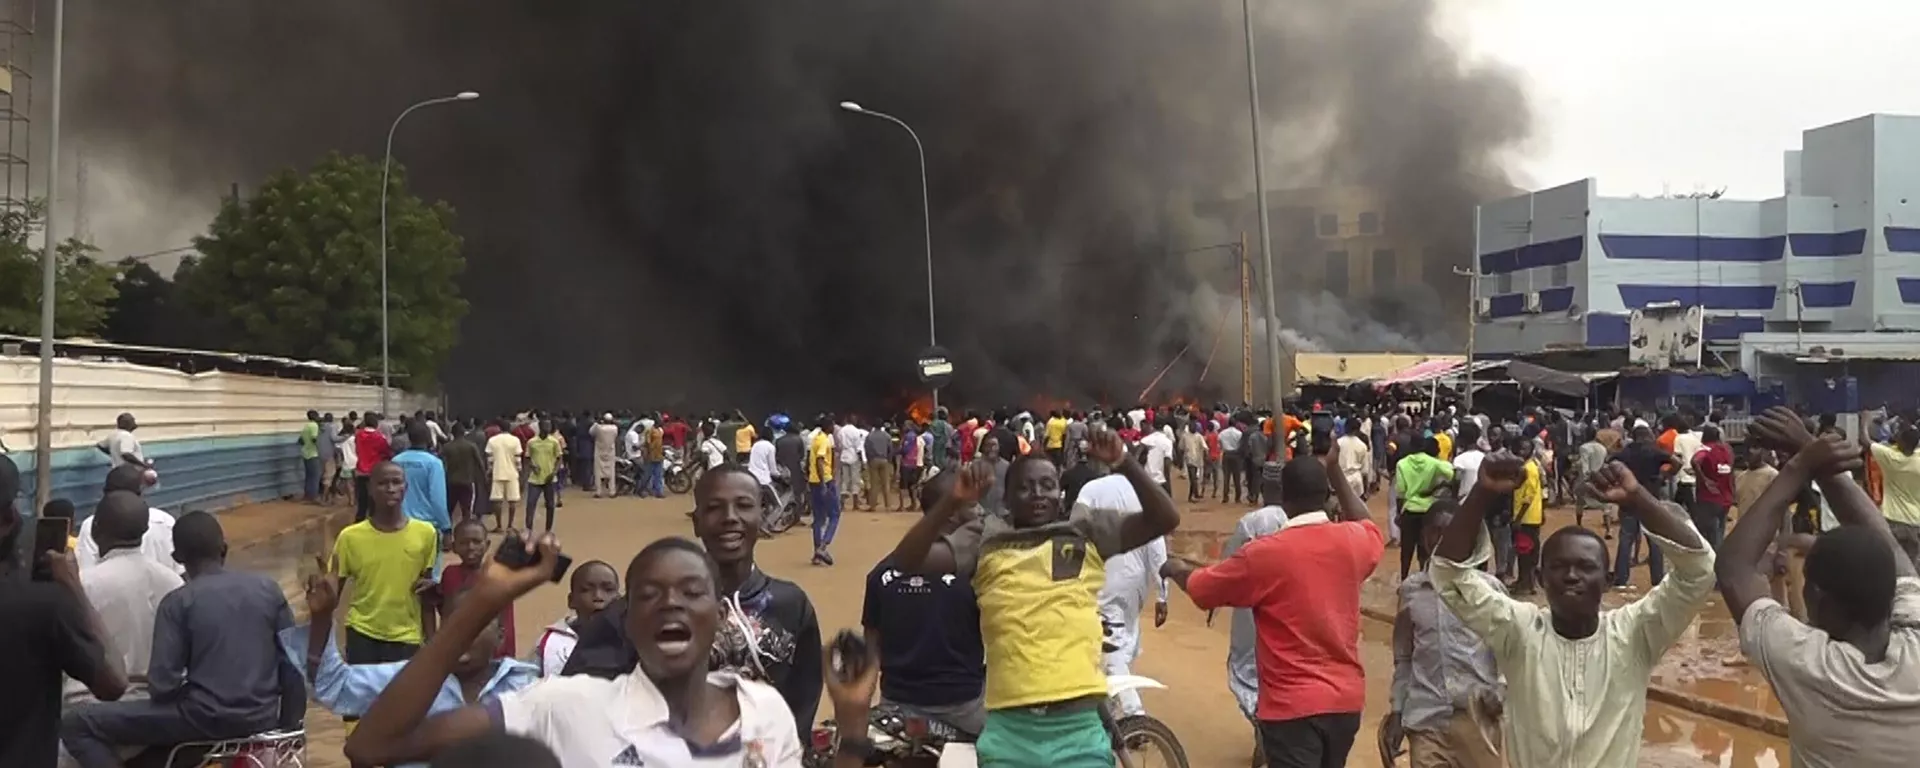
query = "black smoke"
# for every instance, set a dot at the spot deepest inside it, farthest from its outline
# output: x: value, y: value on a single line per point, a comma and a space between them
x: 663, y: 205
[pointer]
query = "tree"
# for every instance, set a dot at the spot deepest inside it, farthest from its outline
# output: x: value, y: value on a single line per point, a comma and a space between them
x: 83, y: 286
x: 149, y: 310
x: 294, y: 271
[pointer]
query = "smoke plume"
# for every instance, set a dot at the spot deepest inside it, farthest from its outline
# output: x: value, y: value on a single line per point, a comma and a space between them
x: 663, y: 206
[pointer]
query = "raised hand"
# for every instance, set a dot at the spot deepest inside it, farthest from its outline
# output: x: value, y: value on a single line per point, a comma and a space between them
x: 500, y: 584
x: 1106, y: 447
x: 1782, y: 429
x: 323, y: 590
x: 1828, y: 456
x: 1615, y: 484
x: 1501, y: 473
x: 973, y: 481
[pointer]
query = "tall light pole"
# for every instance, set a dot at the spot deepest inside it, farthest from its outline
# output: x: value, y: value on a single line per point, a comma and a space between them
x: 49, y: 266
x: 386, y: 168
x: 1278, y: 369
x: 926, y: 209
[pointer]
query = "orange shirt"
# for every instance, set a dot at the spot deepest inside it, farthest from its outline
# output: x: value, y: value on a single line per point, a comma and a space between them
x: 1665, y: 440
x: 1291, y: 425
x: 1876, y: 480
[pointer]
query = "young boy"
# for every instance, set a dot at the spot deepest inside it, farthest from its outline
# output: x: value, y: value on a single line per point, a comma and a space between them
x: 471, y: 545
x: 594, y: 584
x: 390, y: 559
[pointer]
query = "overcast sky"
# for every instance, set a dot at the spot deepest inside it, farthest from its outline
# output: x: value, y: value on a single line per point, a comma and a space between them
x: 1646, y: 95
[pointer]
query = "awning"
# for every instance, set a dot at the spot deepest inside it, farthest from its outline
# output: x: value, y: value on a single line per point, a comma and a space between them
x: 1557, y: 382
x: 1435, y: 370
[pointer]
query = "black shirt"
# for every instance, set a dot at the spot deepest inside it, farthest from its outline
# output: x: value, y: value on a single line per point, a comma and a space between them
x: 931, y: 654
x: 1074, y: 479
x: 43, y: 635
x: 1644, y: 460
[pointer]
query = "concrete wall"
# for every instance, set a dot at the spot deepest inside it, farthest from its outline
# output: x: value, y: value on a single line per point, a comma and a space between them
x: 1839, y: 253
x: 218, y: 439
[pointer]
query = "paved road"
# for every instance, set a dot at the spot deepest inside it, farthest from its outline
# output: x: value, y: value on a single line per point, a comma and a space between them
x: 1186, y: 654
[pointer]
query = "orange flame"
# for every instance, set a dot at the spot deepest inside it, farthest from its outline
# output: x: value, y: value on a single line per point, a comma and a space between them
x: 1041, y: 405
x: 920, y: 409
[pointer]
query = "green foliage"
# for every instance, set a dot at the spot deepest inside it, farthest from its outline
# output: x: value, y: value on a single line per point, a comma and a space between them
x: 294, y: 271
x: 83, y: 287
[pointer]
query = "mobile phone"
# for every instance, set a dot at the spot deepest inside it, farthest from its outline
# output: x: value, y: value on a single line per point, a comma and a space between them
x: 512, y: 553
x: 849, y: 655
x: 49, y: 535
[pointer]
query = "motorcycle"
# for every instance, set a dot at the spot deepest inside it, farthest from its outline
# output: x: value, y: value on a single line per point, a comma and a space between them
x: 900, y: 739
x: 679, y: 471
x: 626, y: 476
x: 782, y: 505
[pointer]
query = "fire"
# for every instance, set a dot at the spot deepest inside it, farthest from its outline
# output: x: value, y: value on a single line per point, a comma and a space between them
x: 921, y: 408
x: 1186, y: 401
x: 1041, y: 405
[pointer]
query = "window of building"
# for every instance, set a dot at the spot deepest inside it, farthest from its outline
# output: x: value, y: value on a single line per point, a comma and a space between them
x: 1386, y: 271
x: 1329, y: 225
x: 1337, y: 273
x: 1369, y: 223
x: 1504, y: 283
x: 1558, y: 277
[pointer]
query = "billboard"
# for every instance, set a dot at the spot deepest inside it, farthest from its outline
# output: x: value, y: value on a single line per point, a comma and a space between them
x: 1661, y: 337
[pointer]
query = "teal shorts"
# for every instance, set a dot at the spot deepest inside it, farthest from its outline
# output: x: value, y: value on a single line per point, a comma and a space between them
x: 1025, y: 738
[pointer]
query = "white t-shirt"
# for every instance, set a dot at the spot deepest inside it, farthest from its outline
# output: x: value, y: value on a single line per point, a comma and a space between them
x: 762, y: 462
x: 1685, y: 445
x: 1159, y: 451
x: 156, y: 545
x: 850, y: 444
x: 712, y: 452
x: 504, y: 450
x: 588, y: 721
x: 122, y: 443
x: 1466, y: 467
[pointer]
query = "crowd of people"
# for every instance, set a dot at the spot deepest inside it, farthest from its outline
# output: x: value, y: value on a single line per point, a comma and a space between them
x: 1021, y: 587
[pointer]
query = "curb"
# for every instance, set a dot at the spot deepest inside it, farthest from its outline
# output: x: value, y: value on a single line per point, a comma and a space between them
x: 1746, y: 718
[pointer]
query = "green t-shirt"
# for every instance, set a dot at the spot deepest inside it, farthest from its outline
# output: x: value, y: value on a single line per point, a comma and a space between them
x: 543, y: 453
x: 310, y: 440
x: 1416, y: 478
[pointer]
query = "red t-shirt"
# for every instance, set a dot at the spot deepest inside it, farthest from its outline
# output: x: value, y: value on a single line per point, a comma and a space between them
x: 525, y: 433
x: 370, y: 448
x: 674, y: 434
x: 455, y: 578
x: 1303, y: 584
x: 1713, y: 471
x: 1213, y: 446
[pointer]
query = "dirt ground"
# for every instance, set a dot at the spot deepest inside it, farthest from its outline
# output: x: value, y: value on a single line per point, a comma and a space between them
x: 1186, y: 654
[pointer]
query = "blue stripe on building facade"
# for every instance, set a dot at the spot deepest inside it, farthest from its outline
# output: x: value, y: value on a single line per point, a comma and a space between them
x: 1551, y: 253
x: 1688, y: 248
x: 210, y: 473
x: 1735, y: 297
x: 1909, y: 289
x: 1515, y: 304
x: 1903, y: 239
x: 1852, y: 242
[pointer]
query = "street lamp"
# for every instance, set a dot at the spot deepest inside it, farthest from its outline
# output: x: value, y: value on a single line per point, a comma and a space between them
x: 49, y: 266
x: 386, y: 168
x: 926, y: 209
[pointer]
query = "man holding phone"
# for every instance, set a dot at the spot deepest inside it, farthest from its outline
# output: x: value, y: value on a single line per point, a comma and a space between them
x: 49, y: 630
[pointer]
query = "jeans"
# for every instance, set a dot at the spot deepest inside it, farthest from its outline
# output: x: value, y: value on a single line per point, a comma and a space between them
x: 362, y: 497
x: 311, y: 481
x: 1628, y: 547
x: 1711, y: 520
x: 1501, y: 534
x: 537, y: 491
x: 656, y: 481
x: 826, y: 513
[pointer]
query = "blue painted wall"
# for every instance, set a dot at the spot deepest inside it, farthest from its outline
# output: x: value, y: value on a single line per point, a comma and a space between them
x: 211, y: 473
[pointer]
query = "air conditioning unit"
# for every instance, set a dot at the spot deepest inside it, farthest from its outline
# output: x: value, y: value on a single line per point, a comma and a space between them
x: 1533, y: 302
x: 1483, y: 307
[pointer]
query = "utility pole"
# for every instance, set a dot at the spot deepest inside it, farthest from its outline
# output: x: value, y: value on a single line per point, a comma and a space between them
x: 1246, y: 323
x: 1279, y: 369
x: 1472, y: 273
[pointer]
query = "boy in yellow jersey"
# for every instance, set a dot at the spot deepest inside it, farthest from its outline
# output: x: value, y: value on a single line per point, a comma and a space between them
x: 1057, y: 438
x: 825, y: 492
x: 390, y: 559
x: 1037, y: 574
x: 1528, y: 514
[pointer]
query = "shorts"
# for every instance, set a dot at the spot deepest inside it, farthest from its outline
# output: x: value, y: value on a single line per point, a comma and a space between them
x: 1023, y: 737
x: 909, y: 477
x: 506, y: 490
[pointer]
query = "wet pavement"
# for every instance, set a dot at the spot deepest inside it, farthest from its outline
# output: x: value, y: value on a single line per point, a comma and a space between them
x: 1186, y: 654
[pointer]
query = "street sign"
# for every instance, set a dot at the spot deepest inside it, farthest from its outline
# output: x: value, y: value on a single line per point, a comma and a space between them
x: 935, y: 367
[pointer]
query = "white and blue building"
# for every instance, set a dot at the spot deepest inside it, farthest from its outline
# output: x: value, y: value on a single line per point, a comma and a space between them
x: 1834, y: 264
